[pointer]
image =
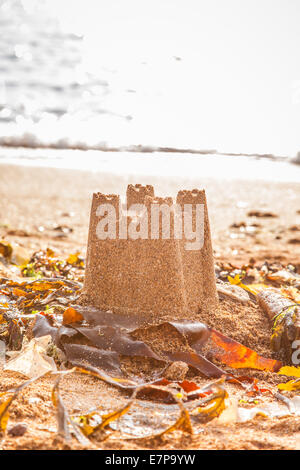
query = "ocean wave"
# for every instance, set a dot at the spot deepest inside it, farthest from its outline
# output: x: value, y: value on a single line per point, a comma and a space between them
x: 28, y: 140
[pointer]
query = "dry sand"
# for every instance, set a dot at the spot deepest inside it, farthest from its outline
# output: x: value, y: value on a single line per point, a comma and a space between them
x: 39, y: 206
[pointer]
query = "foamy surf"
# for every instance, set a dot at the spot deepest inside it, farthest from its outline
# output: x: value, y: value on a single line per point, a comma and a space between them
x: 160, y: 165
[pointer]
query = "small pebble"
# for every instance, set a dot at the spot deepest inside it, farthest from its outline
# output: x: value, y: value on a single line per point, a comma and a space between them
x: 176, y: 371
x: 17, y: 430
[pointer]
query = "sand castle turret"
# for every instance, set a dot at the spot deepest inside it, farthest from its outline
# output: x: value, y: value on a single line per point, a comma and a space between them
x: 140, y: 259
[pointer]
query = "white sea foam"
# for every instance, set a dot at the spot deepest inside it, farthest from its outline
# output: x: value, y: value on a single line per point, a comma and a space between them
x: 164, y: 166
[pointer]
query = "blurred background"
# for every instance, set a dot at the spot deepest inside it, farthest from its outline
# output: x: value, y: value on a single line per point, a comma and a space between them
x: 196, y: 74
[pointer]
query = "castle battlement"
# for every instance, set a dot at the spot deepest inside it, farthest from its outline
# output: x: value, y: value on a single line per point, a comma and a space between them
x: 139, y: 263
x: 136, y: 194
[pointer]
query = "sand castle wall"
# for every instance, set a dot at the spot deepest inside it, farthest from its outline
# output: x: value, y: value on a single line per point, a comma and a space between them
x: 198, y: 265
x: 148, y: 276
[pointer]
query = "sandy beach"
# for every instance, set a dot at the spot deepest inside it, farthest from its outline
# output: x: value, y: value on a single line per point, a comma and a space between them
x: 36, y: 200
x: 142, y: 344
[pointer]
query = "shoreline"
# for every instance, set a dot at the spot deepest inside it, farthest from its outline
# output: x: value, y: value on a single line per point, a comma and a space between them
x: 157, y: 164
x: 18, y: 143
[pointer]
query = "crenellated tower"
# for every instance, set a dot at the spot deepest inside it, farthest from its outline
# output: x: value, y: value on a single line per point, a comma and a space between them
x: 150, y: 272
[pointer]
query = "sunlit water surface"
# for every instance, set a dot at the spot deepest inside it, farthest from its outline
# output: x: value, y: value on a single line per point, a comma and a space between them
x: 184, y: 75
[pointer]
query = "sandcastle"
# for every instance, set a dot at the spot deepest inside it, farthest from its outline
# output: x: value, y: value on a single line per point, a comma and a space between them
x: 147, y: 276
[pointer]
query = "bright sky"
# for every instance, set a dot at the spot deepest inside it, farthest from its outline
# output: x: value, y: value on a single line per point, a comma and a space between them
x: 237, y: 87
